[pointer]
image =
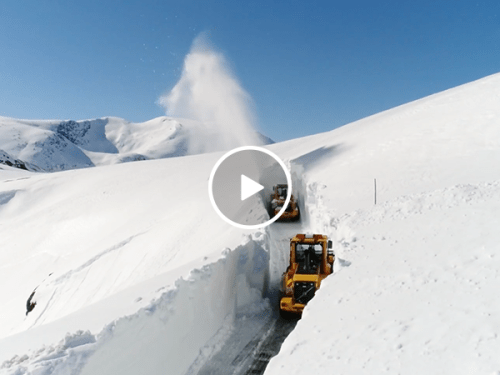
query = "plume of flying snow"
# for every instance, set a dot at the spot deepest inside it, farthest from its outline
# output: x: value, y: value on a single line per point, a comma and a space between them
x: 209, y: 93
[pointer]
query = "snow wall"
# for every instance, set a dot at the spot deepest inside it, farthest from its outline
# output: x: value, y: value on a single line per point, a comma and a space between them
x: 175, y: 334
x: 172, y: 332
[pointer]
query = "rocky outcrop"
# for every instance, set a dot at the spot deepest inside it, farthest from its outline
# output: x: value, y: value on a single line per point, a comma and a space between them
x: 8, y: 160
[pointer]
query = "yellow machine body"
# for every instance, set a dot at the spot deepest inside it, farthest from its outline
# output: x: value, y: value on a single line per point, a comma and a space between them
x: 311, y: 260
x: 278, y: 198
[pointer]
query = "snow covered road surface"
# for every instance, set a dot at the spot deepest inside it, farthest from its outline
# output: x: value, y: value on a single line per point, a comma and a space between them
x: 269, y: 345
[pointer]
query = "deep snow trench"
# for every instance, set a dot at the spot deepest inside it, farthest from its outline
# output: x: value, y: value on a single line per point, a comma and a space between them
x: 258, y: 333
x: 257, y: 330
x: 222, y: 319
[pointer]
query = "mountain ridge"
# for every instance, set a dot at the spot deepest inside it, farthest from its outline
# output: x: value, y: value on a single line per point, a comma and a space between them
x: 54, y: 145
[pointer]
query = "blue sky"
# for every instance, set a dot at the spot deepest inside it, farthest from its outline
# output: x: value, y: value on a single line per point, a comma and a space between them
x: 310, y: 66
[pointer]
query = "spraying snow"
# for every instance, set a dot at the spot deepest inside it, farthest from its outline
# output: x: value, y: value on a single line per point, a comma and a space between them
x: 210, y: 93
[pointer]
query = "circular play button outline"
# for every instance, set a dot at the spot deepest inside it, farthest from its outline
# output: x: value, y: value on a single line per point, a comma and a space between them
x: 250, y: 148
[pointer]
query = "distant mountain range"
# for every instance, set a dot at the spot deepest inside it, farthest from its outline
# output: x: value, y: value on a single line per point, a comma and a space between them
x: 54, y: 145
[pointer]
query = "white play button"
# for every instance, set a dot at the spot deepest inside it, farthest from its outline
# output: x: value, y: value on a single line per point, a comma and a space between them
x: 249, y: 187
x: 241, y: 184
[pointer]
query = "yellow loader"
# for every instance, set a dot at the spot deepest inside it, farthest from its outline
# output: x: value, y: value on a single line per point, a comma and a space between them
x: 311, y: 260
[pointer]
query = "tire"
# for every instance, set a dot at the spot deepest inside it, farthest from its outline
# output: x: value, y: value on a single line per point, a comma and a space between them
x: 285, y: 315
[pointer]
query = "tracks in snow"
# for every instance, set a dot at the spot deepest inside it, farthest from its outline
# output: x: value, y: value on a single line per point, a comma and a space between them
x: 257, y: 335
x: 269, y: 345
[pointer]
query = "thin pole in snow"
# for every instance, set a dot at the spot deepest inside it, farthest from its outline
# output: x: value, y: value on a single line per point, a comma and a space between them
x: 375, y: 185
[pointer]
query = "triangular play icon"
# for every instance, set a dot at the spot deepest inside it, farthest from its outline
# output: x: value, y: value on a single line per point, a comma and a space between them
x: 249, y: 187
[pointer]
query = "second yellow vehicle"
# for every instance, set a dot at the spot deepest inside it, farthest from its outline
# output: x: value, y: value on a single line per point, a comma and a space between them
x: 278, y: 198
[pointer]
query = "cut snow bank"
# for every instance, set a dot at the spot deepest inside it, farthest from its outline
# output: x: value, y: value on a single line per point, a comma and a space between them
x: 187, y: 323
x: 412, y: 293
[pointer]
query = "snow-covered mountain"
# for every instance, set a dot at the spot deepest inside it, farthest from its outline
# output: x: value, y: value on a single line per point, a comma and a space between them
x: 53, y: 145
x: 134, y: 272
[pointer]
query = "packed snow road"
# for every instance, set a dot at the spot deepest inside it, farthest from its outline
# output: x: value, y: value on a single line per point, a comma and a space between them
x: 258, y: 330
x: 269, y: 346
x: 255, y: 341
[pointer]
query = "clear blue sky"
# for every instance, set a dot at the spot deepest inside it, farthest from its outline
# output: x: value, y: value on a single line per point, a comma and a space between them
x: 310, y: 66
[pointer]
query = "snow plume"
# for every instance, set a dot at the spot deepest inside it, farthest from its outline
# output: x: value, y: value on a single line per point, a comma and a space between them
x: 209, y: 93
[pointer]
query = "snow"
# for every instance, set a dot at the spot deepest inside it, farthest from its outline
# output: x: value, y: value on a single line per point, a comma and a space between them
x: 55, y: 145
x: 416, y: 274
x: 135, y: 272
x: 413, y: 291
x: 209, y: 93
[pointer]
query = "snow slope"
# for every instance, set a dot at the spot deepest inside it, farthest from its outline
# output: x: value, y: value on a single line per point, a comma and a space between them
x: 135, y: 273
x: 101, y: 243
x: 416, y: 274
x: 53, y: 145
x: 413, y: 293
